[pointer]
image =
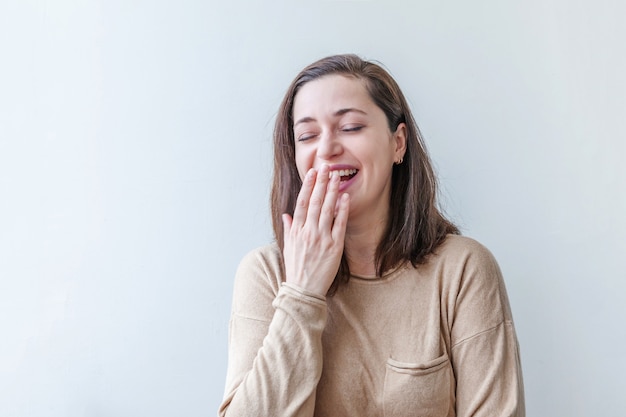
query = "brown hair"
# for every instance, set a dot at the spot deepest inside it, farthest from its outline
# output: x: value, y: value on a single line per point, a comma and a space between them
x: 416, y: 226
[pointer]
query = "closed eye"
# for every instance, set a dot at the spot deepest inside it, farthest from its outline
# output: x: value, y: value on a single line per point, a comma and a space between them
x: 352, y: 128
x: 305, y: 137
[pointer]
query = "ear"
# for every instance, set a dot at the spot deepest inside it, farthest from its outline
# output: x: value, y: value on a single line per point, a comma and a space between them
x: 399, y: 137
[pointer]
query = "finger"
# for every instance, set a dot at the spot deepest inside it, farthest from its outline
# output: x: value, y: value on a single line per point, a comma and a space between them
x: 287, y: 220
x: 327, y: 214
x: 338, y: 231
x: 302, y: 203
x: 318, y: 195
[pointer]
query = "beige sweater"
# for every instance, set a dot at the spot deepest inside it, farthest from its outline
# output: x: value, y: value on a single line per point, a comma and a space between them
x: 437, y: 340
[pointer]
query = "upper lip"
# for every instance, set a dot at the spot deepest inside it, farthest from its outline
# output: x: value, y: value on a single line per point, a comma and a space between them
x: 338, y: 167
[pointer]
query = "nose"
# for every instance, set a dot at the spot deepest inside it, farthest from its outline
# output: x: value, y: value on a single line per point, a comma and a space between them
x: 329, y: 146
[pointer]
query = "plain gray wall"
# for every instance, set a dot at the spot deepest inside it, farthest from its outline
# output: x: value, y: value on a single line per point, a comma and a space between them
x: 135, y: 159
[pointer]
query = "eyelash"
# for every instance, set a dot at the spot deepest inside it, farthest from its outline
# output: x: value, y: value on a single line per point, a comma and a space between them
x: 345, y: 130
x: 305, y: 138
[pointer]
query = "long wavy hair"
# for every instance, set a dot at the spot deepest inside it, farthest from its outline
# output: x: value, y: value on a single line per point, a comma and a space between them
x: 415, y: 226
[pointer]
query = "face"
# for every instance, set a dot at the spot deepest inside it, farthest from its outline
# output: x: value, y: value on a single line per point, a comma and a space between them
x: 337, y: 123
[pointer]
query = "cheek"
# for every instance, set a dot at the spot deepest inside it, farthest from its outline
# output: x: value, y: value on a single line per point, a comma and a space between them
x: 303, y: 162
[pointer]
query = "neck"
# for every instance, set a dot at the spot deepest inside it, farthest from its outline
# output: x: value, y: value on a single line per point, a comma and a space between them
x: 360, y: 247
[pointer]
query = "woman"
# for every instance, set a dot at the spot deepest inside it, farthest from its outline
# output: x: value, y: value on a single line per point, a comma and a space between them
x: 369, y: 303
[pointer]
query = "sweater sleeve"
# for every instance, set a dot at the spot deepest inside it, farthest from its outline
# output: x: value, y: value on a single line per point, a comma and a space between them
x: 275, y: 348
x: 485, y: 352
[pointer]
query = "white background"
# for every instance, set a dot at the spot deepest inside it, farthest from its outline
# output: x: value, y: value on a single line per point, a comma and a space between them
x: 135, y: 160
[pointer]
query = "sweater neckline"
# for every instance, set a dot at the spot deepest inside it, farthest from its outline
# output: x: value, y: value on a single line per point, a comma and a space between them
x: 387, y: 275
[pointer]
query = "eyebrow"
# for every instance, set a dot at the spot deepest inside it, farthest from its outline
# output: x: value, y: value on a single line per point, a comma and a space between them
x: 338, y: 113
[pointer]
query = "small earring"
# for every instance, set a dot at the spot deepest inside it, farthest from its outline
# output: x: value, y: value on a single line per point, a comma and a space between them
x: 398, y: 162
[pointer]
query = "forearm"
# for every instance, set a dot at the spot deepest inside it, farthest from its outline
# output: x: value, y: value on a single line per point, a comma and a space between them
x: 276, y: 374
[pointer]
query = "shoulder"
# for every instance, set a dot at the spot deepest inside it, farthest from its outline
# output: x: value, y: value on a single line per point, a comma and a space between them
x: 463, y: 247
x: 258, y: 278
x: 472, y: 274
x: 469, y: 257
x: 267, y: 256
x: 466, y: 257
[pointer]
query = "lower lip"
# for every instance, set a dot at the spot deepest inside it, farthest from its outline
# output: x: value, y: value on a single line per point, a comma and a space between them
x: 345, y: 184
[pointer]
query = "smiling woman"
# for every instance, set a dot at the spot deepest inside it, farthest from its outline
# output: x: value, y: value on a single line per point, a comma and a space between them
x: 369, y: 303
x: 339, y: 125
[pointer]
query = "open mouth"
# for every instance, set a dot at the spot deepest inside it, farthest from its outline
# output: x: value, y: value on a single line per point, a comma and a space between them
x: 345, y: 174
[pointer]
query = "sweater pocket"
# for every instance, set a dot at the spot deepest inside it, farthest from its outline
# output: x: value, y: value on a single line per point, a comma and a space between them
x: 413, y: 389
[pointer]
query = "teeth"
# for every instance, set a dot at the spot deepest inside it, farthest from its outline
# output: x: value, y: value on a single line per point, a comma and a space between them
x: 343, y: 172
